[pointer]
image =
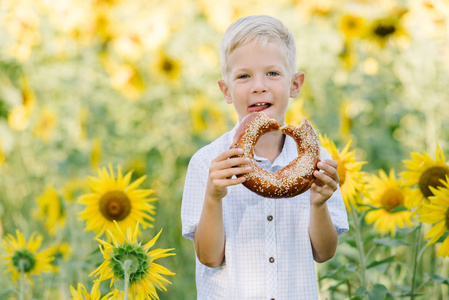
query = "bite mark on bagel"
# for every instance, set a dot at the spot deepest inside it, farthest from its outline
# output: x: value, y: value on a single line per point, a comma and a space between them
x: 293, y: 179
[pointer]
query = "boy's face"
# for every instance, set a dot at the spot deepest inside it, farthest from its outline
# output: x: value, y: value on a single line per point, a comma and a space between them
x: 258, y: 80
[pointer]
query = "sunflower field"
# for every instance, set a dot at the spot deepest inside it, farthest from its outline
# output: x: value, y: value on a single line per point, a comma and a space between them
x: 103, y: 102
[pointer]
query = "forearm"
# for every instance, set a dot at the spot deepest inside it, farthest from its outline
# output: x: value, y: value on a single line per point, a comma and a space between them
x: 323, y: 235
x: 209, y: 236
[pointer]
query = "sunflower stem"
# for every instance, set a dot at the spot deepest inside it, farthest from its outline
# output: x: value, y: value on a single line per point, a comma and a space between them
x: 415, y: 260
x: 126, y: 267
x: 356, y: 222
x: 22, y: 280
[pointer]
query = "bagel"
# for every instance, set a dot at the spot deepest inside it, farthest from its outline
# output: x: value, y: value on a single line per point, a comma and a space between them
x: 293, y: 179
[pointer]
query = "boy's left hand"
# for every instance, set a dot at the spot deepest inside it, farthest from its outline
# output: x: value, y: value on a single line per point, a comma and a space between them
x: 326, y: 182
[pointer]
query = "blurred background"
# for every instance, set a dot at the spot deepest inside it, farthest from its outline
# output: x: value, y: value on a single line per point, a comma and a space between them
x: 85, y: 83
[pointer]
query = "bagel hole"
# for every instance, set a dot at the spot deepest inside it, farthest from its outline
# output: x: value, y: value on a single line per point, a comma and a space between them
x: 272, y: 150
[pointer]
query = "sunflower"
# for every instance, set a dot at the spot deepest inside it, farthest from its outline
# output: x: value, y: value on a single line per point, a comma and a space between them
x: 389, y: 196
x: 96, y: 152
x: 346, y: 117
x: 384, y: 29
x: 116, y: 199
x: 424, y: 172
x: 437, y: 212
x: 126, y: 258
x: 81, y: 292
x: 24, y: 257
x: 125, y: 78
x: 22, y: 22
x: 60, y: 253
x: 295, y: 112
x: 51, y: 210
x: 45, y: 125
x: 349, y: 171
x: 207, y: 119
x: 352, y: 26
x: 348, y: 56
x: 19, y: 115
x: 167, y: 66
x: 2, y: 154
x: 73, y: 188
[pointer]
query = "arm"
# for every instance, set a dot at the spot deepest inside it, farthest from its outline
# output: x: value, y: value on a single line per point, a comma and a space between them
x: 323, y: 235
x: 209, y: 236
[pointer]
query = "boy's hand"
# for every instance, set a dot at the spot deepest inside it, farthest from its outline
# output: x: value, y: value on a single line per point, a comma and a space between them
x: 326, y: 182
x: 221, y: 170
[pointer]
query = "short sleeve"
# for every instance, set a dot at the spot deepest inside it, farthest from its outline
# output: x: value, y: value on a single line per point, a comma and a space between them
x: 193, y: 195
x: 336, y: 205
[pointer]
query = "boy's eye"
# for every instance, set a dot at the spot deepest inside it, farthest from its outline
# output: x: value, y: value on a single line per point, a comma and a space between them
x: 273, y: 73
x: 242, y: 76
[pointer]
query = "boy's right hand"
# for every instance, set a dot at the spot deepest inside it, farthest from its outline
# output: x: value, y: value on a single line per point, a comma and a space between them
x: 221, y: 171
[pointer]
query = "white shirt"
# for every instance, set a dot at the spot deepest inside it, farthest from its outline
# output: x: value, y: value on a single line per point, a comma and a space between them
x: 268, y: 254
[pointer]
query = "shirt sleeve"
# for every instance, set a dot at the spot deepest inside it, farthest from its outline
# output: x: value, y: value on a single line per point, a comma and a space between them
x: 336, y: 205
x: 193, y: 195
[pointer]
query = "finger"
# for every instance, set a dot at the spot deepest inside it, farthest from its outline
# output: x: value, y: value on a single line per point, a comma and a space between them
x: 228, y: 154
x: 328, y: 168
x: 331, y: 162
x: 229, y: 182
x: 323, y: 191
x: 228, y: 173
x: 230, y: 162
x: 325, y: 180
x: 318, y: 182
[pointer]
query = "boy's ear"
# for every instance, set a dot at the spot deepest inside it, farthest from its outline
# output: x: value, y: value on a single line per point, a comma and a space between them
x: 225, y: 90
x: 297, y: 81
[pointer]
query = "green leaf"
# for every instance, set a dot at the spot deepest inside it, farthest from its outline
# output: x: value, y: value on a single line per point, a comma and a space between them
x: 119, y: 285
x: 390, y: 242
x: 440, y: 279
x: 360, y: 291
x: 378, y: 292
x: 335, y: 286
x: 369, y: 237
x: 381, y: 262
x: 405, y: 230
x: 352, y: 243
x: 350, y: 268
x: 7, y: 291
x: 399, y: 209
x: 332, y: 272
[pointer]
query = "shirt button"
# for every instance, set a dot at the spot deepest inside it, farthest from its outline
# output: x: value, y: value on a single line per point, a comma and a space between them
x: 270, y: 218
x: 271, y: 259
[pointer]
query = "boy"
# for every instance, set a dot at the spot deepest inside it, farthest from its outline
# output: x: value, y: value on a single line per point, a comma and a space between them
x: 248, y: 246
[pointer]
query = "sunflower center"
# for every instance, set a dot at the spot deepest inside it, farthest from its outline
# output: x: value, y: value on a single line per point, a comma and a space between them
x: 23, y: 261
x: 352, y: 24
x: 341, y: 170
x: 115, y: 205
x: 431, y: 177
x: 57, y: 258
x: 392, y: 198
x: 136, y: 258
x: 384, y: 30
x: 167, y: 66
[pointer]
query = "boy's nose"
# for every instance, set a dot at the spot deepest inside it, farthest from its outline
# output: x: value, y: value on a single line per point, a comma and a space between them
x: 259, y: 86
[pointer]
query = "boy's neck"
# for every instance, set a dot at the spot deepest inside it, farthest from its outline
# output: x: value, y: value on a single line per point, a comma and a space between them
x: 270, y: 145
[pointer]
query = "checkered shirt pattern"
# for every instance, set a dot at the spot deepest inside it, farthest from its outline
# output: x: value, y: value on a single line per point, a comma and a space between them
x: 268, y: 254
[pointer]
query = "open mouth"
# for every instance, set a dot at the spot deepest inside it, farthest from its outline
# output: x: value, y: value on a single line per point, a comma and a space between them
x: 259, y: 106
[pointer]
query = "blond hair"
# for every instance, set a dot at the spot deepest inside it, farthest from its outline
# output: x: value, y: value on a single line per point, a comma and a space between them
x: 262, y: 29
